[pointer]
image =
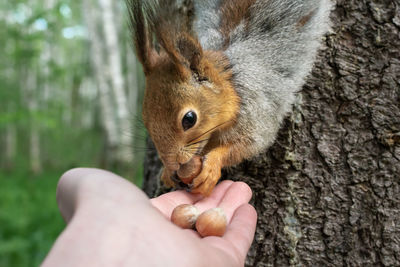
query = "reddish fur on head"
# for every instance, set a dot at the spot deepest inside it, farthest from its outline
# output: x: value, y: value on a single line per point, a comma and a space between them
x: 172, y: 91
x: 181, y: 77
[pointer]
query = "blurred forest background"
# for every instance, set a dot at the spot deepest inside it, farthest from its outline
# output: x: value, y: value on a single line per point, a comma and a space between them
x: 69, y: 97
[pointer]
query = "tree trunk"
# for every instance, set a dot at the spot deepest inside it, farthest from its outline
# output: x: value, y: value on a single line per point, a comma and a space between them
x: 104, y: 92
x: 114, y: 70
x: 327, y: 192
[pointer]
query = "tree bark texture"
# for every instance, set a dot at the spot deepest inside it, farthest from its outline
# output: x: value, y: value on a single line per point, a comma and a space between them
x: 327, y: 192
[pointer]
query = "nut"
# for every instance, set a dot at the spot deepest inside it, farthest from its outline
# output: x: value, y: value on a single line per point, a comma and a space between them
x: 185, y: 216
x: 188, y: 171
x: 211, y: 223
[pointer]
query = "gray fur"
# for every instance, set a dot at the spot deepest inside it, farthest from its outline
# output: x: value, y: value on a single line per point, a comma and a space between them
x: 269, y: 63
x: 206, y: 24
x: 271, y: 53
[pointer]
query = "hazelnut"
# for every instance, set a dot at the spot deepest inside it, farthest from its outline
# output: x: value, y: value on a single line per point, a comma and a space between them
x: 185, y: 216
x: 188, y: 171
x: 211, y: 223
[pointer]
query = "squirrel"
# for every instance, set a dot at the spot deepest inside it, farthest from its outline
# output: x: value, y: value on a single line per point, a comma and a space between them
x: 221, y: 75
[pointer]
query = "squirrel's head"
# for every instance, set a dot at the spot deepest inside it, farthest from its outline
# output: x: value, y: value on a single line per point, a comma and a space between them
x: 188, y: 102
x: 189, y: 97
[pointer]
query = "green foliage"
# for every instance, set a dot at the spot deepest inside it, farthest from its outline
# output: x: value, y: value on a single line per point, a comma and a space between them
x: 45, y: 48
x: 29, y: 218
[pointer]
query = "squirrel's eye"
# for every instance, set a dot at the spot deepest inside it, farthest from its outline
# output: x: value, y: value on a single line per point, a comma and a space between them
x: 189, y: 120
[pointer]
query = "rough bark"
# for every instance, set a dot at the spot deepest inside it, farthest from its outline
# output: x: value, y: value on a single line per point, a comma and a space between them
x: 327, y: 192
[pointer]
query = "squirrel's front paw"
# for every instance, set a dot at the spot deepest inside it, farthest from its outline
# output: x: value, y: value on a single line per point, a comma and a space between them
x: 205, y: 182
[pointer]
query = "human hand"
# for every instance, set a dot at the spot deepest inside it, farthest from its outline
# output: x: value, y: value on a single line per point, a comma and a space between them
x: 112, y: 223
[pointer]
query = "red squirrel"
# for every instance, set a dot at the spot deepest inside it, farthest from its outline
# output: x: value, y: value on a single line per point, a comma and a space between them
x: 221, y: 75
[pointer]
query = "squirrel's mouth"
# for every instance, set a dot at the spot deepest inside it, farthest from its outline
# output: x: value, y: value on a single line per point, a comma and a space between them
x: 187, y: 172
x: 182, y: 176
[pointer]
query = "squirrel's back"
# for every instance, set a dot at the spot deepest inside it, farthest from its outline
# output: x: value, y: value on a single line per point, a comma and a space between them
x: 271, y: 46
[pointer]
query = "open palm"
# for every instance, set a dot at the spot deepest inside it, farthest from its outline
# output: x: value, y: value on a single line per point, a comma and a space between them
x: 232, y: 197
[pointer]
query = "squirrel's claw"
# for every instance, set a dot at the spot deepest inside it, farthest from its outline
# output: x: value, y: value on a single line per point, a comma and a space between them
x: 205, y: 182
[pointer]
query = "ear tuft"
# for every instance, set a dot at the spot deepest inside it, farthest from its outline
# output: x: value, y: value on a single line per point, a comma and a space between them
x: 190, y: 51
x: 142, y: 37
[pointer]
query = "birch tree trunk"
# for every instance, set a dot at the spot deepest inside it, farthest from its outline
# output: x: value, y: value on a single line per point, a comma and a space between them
x: 106, y: 103
x: 132, y: 81
x: 328, y: 191
x: 114, y: 72
x: 88, y: 94
x: 45, y: 59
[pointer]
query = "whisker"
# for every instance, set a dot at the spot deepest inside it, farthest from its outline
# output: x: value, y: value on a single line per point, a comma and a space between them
x: 206, y: 132
x: 191, y: 151
x: 141, y: 149
x: 195, y: 143
x: 197, y: 153
x: 219, y: 112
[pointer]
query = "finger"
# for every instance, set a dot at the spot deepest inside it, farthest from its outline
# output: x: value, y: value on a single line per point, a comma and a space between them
x: 238, y: 194
x: 166, y: 203
x: 215, y: 197
x: 240, y: 232
x: 87, y: 187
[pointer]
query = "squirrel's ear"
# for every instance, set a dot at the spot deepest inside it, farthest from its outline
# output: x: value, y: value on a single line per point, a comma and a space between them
x: 190, y: 50
x: 141, y: 36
